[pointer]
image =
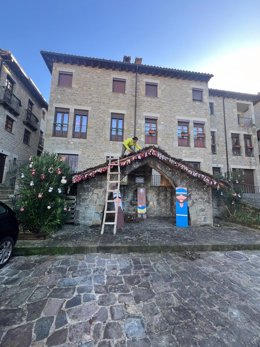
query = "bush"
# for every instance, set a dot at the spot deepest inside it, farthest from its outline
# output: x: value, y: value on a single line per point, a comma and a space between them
x: 41, y: 205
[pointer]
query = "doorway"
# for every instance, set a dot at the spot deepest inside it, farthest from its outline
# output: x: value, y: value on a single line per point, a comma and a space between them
x: 2, y: 166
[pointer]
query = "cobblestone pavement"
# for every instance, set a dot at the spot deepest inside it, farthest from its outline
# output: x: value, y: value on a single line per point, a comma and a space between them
x: 131, y: 300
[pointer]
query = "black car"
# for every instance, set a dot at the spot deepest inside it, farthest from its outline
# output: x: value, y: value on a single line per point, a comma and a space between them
x: 9, y: 230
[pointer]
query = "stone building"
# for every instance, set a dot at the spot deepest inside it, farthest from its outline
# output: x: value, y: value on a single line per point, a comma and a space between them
x: 257, y: 117
x: 234, y: 145
x: 22, y: 108
x: 95, y: 104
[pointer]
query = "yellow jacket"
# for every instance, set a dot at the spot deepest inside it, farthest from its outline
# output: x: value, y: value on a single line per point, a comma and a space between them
x: 130, y: 143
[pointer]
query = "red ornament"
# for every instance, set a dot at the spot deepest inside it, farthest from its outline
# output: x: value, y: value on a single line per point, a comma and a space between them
x: 33, y: 172
x: 42, y: 177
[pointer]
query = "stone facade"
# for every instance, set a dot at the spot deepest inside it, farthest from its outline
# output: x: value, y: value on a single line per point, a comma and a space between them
x: 92, y: 91
x: 12, y: 147
x: 228, y: 107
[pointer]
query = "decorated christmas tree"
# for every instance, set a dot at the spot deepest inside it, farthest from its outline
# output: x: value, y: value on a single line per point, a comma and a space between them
x: 41, y: 205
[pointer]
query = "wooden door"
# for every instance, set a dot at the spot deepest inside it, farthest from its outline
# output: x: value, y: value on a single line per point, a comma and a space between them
x: 249, y: 181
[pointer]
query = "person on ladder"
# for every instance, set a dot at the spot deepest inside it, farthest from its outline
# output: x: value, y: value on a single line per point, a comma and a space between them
x: 130, y: 145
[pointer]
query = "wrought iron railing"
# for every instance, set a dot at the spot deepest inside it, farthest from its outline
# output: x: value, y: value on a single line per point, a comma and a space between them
x: 41, y: 142
x: 31, y: 120
x: 244, y: 121
x: 8, y: 99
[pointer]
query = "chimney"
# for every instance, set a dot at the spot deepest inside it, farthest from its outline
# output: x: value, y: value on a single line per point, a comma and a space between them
x: 127, y: 59
x: 138, y: 61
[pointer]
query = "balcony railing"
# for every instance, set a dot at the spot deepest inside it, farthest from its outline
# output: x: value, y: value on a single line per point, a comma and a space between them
x: 10, y: 101
x: 244, y: 121
x: 41, y: 143
x: 31, y: 120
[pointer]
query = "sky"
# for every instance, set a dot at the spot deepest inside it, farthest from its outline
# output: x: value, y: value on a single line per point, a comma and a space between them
x: 220, y: 37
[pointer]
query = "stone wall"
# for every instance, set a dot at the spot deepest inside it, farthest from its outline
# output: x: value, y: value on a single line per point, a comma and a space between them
x: 92, y: 91
x: 11, y: 144
x: 161, y: 200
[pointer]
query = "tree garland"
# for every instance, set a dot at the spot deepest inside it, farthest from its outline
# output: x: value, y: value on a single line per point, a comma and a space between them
x: 151, y: 152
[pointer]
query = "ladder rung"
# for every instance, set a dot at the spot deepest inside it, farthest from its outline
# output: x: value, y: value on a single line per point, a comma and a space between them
x: 109, y: 200
x: 110, y: 211
x: 110, y: 223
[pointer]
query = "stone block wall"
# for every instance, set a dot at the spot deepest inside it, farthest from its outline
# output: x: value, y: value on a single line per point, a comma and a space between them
x: 92, y: 91
x: 217, y: 124
x: 11, y: 144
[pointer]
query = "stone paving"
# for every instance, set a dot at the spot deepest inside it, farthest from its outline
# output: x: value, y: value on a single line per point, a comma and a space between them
x: 131, y: 300
x: 151, y: 235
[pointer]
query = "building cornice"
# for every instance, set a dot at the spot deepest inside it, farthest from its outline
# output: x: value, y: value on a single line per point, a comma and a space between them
x: 234, y: 95
x: 51, y: 57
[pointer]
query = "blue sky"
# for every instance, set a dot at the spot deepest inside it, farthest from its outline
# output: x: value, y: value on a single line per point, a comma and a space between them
x: 220, y: 37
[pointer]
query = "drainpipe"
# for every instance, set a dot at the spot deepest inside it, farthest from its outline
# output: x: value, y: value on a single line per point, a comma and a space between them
x: 225, y: 132
x: 135, y: 112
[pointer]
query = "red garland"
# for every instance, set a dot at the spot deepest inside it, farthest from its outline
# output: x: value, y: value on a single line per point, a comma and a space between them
x: 139, y: 156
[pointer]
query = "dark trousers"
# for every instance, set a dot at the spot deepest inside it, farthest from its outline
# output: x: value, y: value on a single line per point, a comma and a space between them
x: 124, y: 149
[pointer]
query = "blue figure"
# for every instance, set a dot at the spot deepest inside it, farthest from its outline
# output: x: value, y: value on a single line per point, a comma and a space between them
x: 181, y: 207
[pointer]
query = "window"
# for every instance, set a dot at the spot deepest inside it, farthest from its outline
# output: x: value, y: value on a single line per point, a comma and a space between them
x: 197, y: 94
x: 71, y: 160
x: 80, y: 124
x: 199, y: 135
x: 65, y: 79
x: 213, y: 142
x: 9, y: 87
x: 150, y: 131
x: 211, y: 108
x: 216, y: 171
x: 249, y: 150
x: 244, y: 114
x: 117, y: 127
x: 30, y: 106
x: 26, y: 137
x: 119, y: 86
x: 61, y: 122
x: 183, y: 134
x: 151, y: 89
x: 236, y: 148
x: 194, y: 164
x: 9, y: 124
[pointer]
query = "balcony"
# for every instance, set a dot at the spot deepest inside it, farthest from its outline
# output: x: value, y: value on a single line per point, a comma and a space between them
x: 244, y: 121
x: 9, y: 101
x: 31, y: 121
x: 41, y: 142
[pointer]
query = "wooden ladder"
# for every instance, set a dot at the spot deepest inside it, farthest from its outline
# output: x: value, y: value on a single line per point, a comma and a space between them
x: 113, y: 185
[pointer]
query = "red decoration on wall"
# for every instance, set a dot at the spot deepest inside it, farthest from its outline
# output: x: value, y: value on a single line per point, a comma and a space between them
x: 150, y: 152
